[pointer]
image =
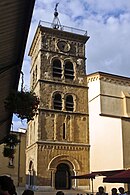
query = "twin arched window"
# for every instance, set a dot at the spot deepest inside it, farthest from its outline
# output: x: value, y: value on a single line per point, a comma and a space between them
x: 58, y: 104
x: 68, y: 69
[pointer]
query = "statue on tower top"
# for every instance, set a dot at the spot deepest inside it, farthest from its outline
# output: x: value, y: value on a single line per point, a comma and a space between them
x: 56, y: 22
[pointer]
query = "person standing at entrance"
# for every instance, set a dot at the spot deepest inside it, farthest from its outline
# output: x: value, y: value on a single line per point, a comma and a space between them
x: 114, y: 191
x: 101, y: 191
x: 122, y: 191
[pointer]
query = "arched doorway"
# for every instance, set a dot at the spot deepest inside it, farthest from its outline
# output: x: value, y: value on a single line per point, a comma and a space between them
x: 62, y: 177
x: 31, y: 174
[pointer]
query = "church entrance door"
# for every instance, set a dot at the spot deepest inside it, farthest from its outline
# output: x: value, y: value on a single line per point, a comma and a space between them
x: 62, y: 177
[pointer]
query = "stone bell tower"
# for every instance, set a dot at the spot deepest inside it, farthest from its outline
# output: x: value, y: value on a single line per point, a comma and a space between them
x: 58, y: 137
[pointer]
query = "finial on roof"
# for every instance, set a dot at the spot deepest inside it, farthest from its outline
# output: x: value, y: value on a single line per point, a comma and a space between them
x: 56, y: 22
x: 56, y: 7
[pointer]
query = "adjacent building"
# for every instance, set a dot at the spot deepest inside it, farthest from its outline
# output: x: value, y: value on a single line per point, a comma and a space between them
x: 109, y: 123
x: 16, y: 168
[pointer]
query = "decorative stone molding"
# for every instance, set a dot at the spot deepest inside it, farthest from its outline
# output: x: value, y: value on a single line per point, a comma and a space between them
x: 61, y: 158
x: 79, y: 61
x: 46, y: 74
x: 120, y: 80
x: 62, y: 147
x: 91, y: 79
x: 80, y: 79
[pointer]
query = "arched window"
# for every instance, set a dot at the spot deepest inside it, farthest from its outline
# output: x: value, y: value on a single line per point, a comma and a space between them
x: 69, y: 103
x: 57, y: 70
x: 57, y: 102
x: 31, y: 174
x: 69, y: 70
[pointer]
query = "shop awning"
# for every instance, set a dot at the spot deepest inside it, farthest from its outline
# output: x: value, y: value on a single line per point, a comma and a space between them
x: 94, y: 174
x: 122, y: 177
x: 15, y: 19
x: 86, y: 176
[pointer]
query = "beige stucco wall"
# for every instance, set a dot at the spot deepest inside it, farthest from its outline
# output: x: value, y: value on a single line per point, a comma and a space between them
x: 108, y: 124
x: 19, y: 162
x: 31, y: 156
x: 126, y: 142
x: 105, y: 141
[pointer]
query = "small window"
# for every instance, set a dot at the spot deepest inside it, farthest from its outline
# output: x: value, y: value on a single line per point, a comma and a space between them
x: 57, y: 102
x: 69, y: 103
x: 36, y: 72
x: 57, y: 71
x: 11, y: 162
x: 64, y: 131
x: 33, y: 79
x: 69, y: 70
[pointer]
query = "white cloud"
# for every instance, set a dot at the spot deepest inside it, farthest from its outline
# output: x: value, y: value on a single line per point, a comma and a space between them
x: 107, y: 23
x: 109, y: 5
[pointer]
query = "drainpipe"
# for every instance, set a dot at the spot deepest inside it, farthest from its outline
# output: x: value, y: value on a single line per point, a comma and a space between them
x: 19, y: 158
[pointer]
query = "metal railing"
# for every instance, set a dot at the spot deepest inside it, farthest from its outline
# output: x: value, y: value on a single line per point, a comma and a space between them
x: 63, y: 28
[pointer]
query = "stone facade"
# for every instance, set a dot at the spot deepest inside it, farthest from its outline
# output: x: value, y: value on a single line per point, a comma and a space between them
x: 58, y: 138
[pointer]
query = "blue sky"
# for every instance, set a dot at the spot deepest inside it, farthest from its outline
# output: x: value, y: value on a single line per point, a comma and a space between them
x: 108, y: 25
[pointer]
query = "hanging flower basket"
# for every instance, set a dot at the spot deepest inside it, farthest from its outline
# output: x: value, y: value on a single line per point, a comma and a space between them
x: 22, y: 103
x: 8, y: 152
x: 11, y: 140
x: 10, y: 143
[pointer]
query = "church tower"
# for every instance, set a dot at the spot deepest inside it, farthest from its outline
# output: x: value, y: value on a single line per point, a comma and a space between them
x: 58, y: 137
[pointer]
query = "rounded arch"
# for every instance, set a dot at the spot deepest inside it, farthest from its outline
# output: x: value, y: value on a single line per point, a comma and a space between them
x: 73, y: 163
x: 56, y: 57
x: 69, y: 60
x: 55, y: 92
x: 62, y: 168
x: 72, y: 94
x: 31, y: 173
x: 31, y: 165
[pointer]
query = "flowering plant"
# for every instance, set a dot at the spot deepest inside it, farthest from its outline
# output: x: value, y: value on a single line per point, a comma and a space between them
x: 10, y: 142
x: 8, y: 152
x: 22, y: 103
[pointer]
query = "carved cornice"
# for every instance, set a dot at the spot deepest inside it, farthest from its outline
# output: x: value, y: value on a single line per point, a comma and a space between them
x: 64, y: 34
x: 111, y: 78
x: 62, y: 112
x: 64, y: 83
x: 62, y: 146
